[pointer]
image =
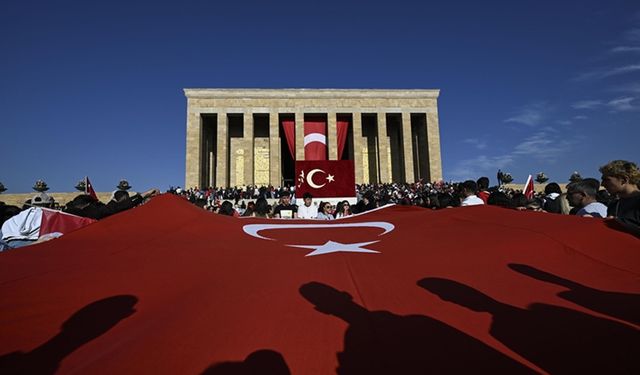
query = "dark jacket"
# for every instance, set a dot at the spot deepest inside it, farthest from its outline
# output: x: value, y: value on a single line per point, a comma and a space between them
x: 85, y: 206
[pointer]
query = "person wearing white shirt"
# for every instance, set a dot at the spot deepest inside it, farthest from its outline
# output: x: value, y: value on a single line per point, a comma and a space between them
x: 582, y: 195
x: 468, y: 190
x: 307, y: 210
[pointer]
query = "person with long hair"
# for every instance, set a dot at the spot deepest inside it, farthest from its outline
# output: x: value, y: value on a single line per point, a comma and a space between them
x: 343, y: 209
x: 324, y: 213
x: 261, y: 208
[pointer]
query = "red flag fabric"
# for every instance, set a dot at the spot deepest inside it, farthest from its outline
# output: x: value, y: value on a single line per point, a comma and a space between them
x: 528, y: 188
x: 315, y: 140
x: 290, y: 133
x: 88, y: 189
x: 61, y: 222
x: 397, y: 290
x: 325, y: 179
x: 342, y: 127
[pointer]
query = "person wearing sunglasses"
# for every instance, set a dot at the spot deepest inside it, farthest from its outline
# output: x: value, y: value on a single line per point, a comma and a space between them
x: 343, y: 209
x: 325, y: 211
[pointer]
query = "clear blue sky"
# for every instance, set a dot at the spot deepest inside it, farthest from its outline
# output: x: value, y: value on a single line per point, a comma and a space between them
x: 526, y: 86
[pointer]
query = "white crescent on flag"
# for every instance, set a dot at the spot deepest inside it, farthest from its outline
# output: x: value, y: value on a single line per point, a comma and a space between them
x: 253, y: 229
x: 310, y: 178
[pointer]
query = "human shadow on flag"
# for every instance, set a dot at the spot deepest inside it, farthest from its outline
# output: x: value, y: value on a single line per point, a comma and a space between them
x: 557, y: 339
x: 86, y: 324
x: 624, y: 306
x: 381, y: 342
x: 257, y: 363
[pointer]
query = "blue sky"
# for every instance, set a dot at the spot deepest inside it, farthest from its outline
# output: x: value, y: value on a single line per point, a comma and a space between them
x: 95, y: 88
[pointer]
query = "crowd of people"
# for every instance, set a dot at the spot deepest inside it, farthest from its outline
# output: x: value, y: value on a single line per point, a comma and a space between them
x: 615, y: 197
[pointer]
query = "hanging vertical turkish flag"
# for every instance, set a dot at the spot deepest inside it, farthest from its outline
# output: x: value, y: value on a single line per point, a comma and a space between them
x: 289, y: 128
x: 325, y: 179
x: 315, y: 140
x: 342, y: 127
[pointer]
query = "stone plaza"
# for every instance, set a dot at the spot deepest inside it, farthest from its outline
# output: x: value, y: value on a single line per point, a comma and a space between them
x: 235, y: 136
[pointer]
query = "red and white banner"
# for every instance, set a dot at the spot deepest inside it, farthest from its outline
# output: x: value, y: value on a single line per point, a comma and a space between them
x: 325, y: 179
x: 315, y: 140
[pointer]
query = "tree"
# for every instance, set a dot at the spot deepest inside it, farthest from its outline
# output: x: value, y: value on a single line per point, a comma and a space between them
x: 541, y: 178
x: 506, y: 178
x: 575, y: 177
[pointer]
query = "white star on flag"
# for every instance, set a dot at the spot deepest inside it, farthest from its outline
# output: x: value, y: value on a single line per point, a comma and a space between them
x: 335, y: 247
x: 330, y: 178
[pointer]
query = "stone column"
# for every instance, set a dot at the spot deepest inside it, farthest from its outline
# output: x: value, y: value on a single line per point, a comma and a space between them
x: 407, y: 143
x: 193, y: 166
x: 384, y: 156
x: 222, y: 178
x: 299, y: 136
x: 356, y: 122
x: 275, y: 175
x: 433, y: 140
x: 247, y: 145
x: 332, y: 136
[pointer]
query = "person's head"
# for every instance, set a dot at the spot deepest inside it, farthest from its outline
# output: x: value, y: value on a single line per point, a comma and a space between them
x: 581, y: 193
x: 445, y: 200
x: 594, y: 182
x: 324, y: 207
x: 468, y: 188
x: 81, y: 201
x: 519, y: 201
x: 7, y: 212
x: 120, y: 195
x: 620, y: 176
x: 42, y: 200
x: 498, y: 198
x: 368, y: 197
x: 552, y: 187
x: 344, y: 207
x: 308, y: 198
x: 534, y: 205
x: 285, y: 197
x: 483, y: 183
x: 226, y: 208
x: 262, y: 207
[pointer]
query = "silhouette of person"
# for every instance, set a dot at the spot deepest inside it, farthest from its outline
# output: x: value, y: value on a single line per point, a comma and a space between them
x: 86, y: 324
x: 557, y: 339
x: 624, y: 306
x: 259, y: 362
x: 380, y: 342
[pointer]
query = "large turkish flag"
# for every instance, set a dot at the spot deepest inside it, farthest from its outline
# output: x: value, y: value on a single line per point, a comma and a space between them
x: 169, y: 288
x: 325, y: 179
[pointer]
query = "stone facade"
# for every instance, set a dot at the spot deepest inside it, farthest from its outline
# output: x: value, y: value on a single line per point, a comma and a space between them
x: 394, y: 135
